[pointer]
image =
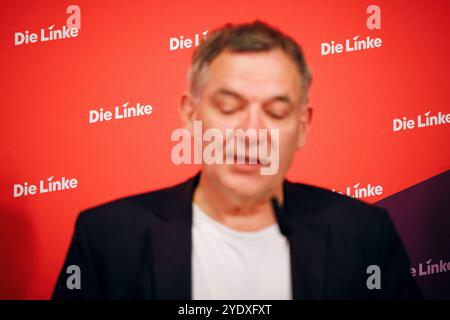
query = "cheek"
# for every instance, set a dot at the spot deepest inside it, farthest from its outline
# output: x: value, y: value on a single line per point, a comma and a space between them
x: 288, y: 143
x: 215, y: 121
x: 210, y: 118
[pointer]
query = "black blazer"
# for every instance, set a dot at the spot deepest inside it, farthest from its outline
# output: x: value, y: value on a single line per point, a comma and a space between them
x: 139, y: 247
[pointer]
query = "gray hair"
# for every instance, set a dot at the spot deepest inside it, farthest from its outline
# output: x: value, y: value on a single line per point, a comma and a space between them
x: 250, y: 37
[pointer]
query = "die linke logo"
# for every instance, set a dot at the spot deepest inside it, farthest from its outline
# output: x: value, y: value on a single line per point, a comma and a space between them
x: 120, y: 112
x: 428, y: 268
x: 183, y: 42
x: 44, y: 186
x: 358, y: 191
x: 421, y: 121
x: 70, y: 30
x: 357, y: 42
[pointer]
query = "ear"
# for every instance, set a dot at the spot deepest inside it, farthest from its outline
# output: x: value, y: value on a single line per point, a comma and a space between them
x: 305, y: 119
x: 188, y: 110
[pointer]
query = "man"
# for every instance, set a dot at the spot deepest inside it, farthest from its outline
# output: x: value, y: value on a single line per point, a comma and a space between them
x: 231, y: 232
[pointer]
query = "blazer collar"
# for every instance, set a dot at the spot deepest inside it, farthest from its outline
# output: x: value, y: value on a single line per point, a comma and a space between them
x: 172, y: 242
x: 307, y: 239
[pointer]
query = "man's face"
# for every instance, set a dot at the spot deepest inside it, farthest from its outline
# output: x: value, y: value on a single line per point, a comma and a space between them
x: 252, y: 90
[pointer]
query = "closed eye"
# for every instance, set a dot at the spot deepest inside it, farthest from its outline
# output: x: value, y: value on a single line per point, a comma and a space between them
x: 278, y: 110
x: 227, y: 103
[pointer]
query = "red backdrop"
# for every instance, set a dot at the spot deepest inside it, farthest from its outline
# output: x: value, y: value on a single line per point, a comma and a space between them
x: 122, y: 54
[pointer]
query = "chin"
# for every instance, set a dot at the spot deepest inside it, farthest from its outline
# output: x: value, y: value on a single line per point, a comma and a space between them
x: 247, y: 184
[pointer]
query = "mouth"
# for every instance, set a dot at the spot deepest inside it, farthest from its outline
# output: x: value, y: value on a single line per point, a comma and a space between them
x: 245, y: 160
x: 247, y: 164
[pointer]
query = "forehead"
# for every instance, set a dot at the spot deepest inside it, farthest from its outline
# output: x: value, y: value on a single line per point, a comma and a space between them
x: 256, y: 75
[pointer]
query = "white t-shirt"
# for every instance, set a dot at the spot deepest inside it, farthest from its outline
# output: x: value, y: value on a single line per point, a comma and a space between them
x: 234, y: 265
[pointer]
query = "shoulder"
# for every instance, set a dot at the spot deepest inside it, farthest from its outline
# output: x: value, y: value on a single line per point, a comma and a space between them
x: 134, y: 209
x: 353, y: 227
x: 340, y: 210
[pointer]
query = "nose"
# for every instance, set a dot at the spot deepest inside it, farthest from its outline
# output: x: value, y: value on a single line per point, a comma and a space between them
x: 253, y: 119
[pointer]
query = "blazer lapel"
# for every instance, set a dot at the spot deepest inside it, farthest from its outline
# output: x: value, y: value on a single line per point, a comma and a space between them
x: 172, y: 261
x: 171, y: 244
x: 308, y: 242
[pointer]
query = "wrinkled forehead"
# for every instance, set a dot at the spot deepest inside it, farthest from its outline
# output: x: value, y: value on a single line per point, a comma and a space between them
x: 254, y: 75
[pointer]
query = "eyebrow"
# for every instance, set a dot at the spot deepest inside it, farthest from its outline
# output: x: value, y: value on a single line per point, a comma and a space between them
x: 231, y: 93
x: 281, y: 98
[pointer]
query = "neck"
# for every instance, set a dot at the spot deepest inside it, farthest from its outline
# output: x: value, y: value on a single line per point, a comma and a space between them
x: 239, y: 213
